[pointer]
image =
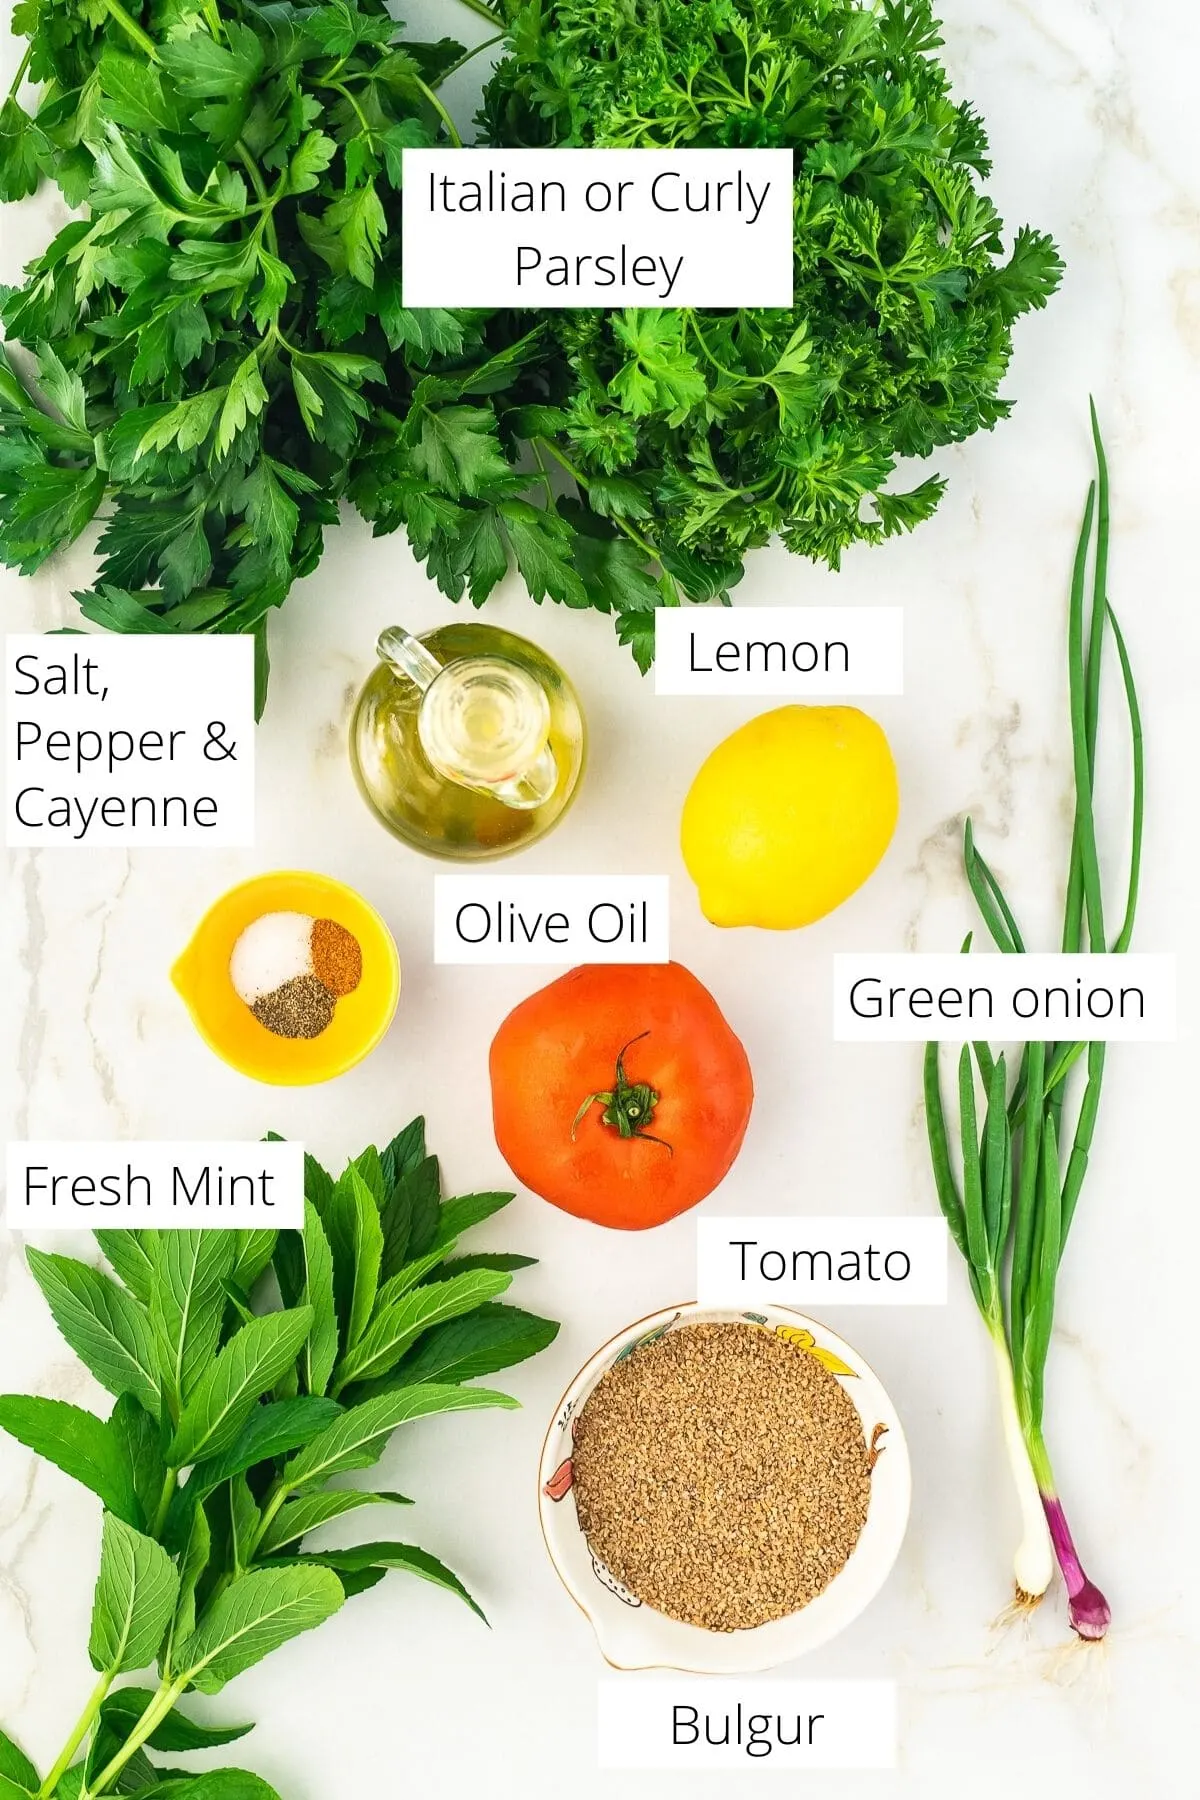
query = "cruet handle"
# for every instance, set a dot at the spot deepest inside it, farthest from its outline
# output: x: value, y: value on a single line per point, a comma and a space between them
x: 526, y: 788
x: 407, y: 656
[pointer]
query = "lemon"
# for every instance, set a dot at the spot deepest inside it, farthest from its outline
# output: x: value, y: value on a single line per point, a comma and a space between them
x: 789, y: 816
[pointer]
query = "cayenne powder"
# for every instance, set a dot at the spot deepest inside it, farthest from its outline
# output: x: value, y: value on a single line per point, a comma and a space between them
x: 721, y: 1474
x: 336, y: 957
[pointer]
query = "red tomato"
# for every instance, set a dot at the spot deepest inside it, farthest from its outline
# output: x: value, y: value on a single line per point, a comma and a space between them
x: 619, y: 1093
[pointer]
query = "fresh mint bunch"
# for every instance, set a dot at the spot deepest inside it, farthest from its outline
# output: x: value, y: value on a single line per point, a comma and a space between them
x: 251, y: 1370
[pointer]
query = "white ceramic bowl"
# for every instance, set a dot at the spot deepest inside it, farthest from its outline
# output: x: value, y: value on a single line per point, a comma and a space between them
x: 634, y: 1636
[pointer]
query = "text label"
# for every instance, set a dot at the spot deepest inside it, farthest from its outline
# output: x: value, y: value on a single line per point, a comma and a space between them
x: 551, y: 919
x: 172, y: 1187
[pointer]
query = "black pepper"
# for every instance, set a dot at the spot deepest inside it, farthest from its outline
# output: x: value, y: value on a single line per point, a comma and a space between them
x: 301, y: 1008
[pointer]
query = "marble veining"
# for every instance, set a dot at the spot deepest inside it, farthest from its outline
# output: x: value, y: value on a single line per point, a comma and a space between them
x: 1091, y: 111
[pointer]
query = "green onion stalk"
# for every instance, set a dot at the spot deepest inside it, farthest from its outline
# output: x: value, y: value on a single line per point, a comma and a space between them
x: 1011, y: 1211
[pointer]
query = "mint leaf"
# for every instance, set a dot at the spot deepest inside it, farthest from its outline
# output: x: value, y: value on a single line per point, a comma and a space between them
x: 128, y: 1255
x: 356, y: 1241
x: 295, y: 1520
x: 190, y: 1269
x: 124, y: 1707
x: 135, y: 1598
x: 369, y: 1165
x: 79, y: 1444
x: 247, y: 1367
x: 404, y: 1154
x: 257, y: 1613
x: 410, y: 1217
x: 408, y: 1557
x: 16, y: 1767
x: 398, y: 1325
x: 491, y: 1338
x: 460, y: 1214
x: 252, y: 1253
x: 139, y: 1439
x: 106, y: 1327
x: 320, y: 1352
x: 272, y: 1430
x: 214, y: 1784
x: 359, y: 1437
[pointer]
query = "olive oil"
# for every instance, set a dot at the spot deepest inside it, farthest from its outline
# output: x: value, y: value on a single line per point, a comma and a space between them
x: 468, y: 742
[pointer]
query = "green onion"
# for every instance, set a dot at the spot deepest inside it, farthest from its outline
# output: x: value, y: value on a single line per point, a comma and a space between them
x: 1022, y: 1177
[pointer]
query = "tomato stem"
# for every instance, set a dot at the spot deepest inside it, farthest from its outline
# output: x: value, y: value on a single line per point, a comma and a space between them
x: 628, y: 1106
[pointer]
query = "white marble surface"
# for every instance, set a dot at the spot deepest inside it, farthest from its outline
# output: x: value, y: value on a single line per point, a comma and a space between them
x: 1091, y: 107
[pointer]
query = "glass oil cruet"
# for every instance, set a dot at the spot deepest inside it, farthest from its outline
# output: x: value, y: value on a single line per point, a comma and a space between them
x: 468, y: 741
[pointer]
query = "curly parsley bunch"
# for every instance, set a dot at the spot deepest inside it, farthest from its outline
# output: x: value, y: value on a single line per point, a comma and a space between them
x: 708, y: 433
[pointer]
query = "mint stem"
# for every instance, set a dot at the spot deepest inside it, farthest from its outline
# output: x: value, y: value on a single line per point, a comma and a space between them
x: 82, y: 1727
x: 156, y: 1711
x: 170, y: 1483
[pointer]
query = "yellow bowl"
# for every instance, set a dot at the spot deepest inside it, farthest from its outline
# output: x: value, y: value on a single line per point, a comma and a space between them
x: 226, y: 1023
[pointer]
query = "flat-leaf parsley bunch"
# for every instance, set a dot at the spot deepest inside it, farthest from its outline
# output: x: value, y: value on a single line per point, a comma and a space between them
x: 200, y: 350
x: 252, y: 1371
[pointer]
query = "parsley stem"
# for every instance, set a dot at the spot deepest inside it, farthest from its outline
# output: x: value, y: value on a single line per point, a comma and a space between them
x: 275, y: 336
x: 483, y: 11
x: 440, y: 110
x: 23, y: 69
x: 477, y: 51
x: 267, y: 222
x: 338, y: 88
x: 213, y: 20
x: 623, y: 525
x: 132, y: 29
x: 535, y: 446
x: 563, y: 461
x: 729, y: 374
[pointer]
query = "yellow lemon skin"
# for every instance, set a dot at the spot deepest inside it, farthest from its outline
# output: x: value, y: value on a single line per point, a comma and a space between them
x: 789, y: 816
